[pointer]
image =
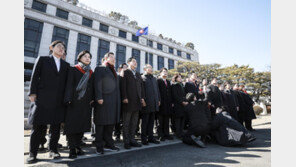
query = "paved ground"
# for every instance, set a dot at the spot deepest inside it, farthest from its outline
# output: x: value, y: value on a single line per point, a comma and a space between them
x: 175, y: 153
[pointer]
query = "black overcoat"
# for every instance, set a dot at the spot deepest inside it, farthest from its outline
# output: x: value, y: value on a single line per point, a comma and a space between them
x: 165, y: 92
x: 132, y: 89
x: 152, y: 97
x: 49, y: 85
x: 107, y: 88
x: 78, y: 113
x: 178, y: 96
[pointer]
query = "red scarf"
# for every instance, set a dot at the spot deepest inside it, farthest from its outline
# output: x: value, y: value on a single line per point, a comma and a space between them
x: 111, y: 68
x: 82, y: 70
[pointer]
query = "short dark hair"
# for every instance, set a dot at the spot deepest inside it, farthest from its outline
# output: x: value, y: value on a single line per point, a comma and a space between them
x: 54, y: 43
x: 130, y: 59
x: 176, y: 76
x: 121, y: 65
x: 108, y: 54
x: 82, y: 53
x: 163, y: 68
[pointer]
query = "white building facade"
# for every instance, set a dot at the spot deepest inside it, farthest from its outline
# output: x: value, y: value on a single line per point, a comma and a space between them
x: 82, y: 29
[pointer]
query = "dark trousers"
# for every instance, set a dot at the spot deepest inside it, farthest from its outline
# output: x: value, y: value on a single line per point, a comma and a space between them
x: 104, y: 136
x: 248, y: 124
x: 118, y: 128
x: 147, y: 126
x: 179, y: 121
x: 74, y: 140
x: 130, y: 120
x: 163, y: 129
x: 43, y: 138
x: 173, y: 125
x: 37, y: 134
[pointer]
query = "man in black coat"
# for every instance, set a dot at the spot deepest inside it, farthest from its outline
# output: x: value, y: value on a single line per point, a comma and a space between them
x: 46, y: 94
x: 152, y: 99
x: 192, y: 85
x: 249, y: 112
x: 107, y: 108
x: 132, y: 95
x: 214, y: 96
x: 165, y: 108
x: 231, y: 101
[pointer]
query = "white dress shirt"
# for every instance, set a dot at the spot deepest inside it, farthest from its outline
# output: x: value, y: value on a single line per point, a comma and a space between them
x: 57, y: 62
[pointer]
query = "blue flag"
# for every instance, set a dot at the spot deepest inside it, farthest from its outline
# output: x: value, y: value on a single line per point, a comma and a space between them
x: 143, y: 31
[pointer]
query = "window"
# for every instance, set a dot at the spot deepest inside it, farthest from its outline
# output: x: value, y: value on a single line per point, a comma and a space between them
x: 32, y: 36
x: 62, y: 14
x: 188, y: 56
x: 87, y: 22
x: 120, y: 55
x: 103, y: 49
x: 150, y: 43
x: 159, y: 46
x: 122, y: 34
x: 160, y: 62
x: 149, y: 58
x: 135, y: 38
x: 39, y: 6
x: 136, y: 55
x: 178, y: 52
x: 83, y: 43
x: 104, y: 28
x: 171, y: 64
x: 171, y: 50
x: 60, y: 34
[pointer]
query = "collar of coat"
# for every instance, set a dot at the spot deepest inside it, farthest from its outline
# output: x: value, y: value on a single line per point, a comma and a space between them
x: 82, y: 70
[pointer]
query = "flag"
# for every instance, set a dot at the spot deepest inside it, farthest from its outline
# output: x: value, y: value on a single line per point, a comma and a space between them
x: 143, y: 31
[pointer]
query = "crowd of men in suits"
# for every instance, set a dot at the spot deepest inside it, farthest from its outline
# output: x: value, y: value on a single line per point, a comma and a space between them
x: 125, y: 102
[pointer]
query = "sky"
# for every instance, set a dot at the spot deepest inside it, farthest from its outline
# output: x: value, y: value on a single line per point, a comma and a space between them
x: 226, y: 32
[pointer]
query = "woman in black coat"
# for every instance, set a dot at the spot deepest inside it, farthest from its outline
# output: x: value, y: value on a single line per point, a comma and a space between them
x: 78, y: 96
x: 179, y: 100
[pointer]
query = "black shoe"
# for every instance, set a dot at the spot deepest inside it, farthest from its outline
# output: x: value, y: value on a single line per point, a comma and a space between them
x: 153, y: 141
x: 54, y: 155
x: 169, y: 137
x: 197, y: 141
x: 144, y: 142
x: 100, y: 151
x: 251, y: 139
x: 127, y: 146
x: 82, y: 143
x: 31, y: 159
x: 112, y: 148
x: 79, y: 151
x: 42, y: 148
x: 60, y: 145
x: 162, y: 138
x: 135, y: 144
x: 72, y: 153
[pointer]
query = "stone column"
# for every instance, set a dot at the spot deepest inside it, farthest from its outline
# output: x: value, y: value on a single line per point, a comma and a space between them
x: 51, y: 10
x: 71, y: 48
x: 94, y: 51
x: 155, y: 60
x: 142, y: 61
x: 45, y: 39
x: 128, y: 53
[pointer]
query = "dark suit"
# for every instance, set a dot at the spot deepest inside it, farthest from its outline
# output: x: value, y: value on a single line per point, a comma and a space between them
x: 179, y: 96
x: 49, y: 85
x: 131, y: 89
x: 214, y: 96
x: 165, y: 107
x: 152, y: 99
x: 106, y: 115
x: 191, y: 87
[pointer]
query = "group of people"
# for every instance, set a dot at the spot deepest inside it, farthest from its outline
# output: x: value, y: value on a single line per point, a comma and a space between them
x: 109, y: 101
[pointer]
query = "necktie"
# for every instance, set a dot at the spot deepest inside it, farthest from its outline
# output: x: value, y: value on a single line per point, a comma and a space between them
x: 165, y: 83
